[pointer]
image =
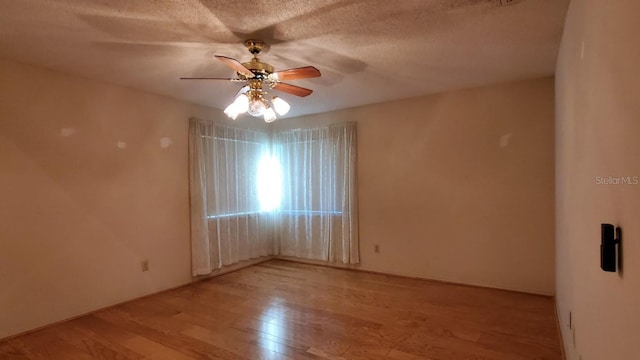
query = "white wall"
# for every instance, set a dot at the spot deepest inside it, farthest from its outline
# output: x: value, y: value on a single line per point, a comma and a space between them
x: 458, y: 186
x: 597, y: 132
x: 78, y: 213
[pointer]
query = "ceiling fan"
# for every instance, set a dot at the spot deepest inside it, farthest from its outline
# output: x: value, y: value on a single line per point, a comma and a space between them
x: 254, y: 98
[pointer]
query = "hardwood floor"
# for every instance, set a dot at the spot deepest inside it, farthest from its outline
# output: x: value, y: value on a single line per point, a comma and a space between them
x: 287, y: 310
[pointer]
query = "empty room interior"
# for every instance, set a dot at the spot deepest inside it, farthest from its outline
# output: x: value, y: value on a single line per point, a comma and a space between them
x: 335, y: 179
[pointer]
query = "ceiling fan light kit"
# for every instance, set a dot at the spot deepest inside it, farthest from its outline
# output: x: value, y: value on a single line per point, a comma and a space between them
x: 255, y: 98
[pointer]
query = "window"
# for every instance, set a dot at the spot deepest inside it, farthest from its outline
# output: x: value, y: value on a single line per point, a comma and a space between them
x: 253, y: 194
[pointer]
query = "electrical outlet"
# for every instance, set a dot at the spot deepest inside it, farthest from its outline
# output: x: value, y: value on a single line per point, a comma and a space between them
x: 145, y: 265
x: 376, y: 248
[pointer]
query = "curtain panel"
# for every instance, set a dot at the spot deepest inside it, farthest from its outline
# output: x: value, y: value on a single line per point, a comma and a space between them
x: 317, y: 218
x: 227, y: 224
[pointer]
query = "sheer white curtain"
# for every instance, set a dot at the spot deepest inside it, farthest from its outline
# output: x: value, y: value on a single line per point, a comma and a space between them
x: 230, y: 221
x: 317, y: 217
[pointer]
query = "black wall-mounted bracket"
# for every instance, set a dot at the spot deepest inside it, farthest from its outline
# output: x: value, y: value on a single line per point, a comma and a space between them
x: 610, y: 237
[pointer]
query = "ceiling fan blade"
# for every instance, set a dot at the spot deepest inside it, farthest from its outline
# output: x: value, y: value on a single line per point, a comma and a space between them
x: 211, y: 78
x: 292, y: 89
x: 297, y: 73
x: 235, y: 65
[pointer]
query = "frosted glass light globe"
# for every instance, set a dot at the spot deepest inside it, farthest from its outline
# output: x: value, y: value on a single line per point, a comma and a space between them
x: 256, y: 108
x: 242, y: 103
x: 281, y: 106
x: 232, y: 111
x: 269, y: 115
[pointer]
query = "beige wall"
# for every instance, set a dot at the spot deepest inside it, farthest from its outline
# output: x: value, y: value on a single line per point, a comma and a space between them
x: 458, y: 186
x: 597, y: 132
x: 78, y: 213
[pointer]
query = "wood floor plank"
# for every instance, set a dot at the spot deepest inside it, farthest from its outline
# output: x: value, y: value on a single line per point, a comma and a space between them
x: 93, y: 345
x: 9, y: 351
x: 288, y: 311
x: 129, y: 343
x: 168, y: 337
x: 46, y: 344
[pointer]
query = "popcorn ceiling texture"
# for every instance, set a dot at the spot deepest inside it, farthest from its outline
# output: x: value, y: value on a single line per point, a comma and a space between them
x: 368, y: 51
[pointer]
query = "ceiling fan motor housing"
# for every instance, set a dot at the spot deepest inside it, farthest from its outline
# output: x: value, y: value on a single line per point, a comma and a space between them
x: 254, y: 46
x: 258, y: 68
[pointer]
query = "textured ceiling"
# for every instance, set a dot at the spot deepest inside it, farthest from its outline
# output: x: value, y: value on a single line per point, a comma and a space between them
x: 367, y: 50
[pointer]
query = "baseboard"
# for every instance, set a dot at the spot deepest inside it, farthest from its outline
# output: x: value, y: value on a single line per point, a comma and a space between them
x: 318, y: 262
x: 555, y: 310
x: 231, y: 268
x: 355, y: 267
x: 215, y: 273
